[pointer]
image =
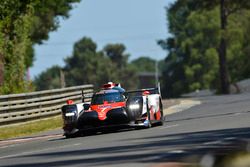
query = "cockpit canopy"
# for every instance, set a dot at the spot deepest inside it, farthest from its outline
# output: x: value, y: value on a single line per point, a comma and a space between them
x: 111, y: 97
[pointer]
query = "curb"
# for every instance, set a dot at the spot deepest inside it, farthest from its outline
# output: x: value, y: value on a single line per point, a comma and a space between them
x: 181, y: 106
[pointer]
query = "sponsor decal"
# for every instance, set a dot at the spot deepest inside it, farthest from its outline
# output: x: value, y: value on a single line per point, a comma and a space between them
x: 104, y: 107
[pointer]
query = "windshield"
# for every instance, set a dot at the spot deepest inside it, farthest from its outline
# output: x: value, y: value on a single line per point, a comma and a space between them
x: 109, y: 97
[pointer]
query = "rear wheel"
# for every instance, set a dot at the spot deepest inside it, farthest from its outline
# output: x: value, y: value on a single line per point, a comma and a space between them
x: 161, y: 122
x: 68, y: 136
x: 148, y: 122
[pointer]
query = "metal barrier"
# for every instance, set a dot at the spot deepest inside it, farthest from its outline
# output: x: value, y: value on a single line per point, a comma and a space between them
x: 29, y: 106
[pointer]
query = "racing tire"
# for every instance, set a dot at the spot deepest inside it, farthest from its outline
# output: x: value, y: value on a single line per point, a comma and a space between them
x: 68, y: 136
x: 149, y: 124
x: 161, y: 122
x: 71, y: 135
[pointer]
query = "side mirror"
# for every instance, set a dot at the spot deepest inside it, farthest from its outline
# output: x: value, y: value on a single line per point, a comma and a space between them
x: 86, y: 106
x: 126, y: 95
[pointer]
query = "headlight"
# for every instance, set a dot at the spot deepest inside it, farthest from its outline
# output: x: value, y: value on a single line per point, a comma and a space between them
x: 69, y: 114
x: 134, y: 106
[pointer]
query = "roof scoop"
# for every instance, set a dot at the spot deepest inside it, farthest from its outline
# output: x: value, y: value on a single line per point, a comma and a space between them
x: 110, y: 85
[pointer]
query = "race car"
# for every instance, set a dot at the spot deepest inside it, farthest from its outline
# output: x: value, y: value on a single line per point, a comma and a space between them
x: 113, y: 106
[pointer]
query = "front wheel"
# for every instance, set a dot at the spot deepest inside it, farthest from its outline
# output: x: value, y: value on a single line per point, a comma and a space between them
x: 68, y: 136
x: 161, y: 122
x: 148, y: 123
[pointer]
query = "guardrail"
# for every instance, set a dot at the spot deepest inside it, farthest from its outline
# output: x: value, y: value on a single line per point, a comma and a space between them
x: 29, y: 106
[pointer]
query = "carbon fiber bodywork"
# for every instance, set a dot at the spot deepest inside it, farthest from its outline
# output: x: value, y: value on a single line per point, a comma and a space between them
x: 113, y: 117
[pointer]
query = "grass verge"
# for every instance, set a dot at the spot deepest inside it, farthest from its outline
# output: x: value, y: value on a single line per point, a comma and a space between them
x: 29, y: 128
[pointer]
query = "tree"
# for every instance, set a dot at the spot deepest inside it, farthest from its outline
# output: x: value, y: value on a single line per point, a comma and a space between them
x: 15, y: 24
x: 46, y: 17
x: 143, y: 64
x: 23, y: 24
x: 116, y: 53
x: 243, y: 62
x: 227, y: 8
x: 193, y: 59
x: 87, y: 66
x: 49, y: 79
x: 126, y: 74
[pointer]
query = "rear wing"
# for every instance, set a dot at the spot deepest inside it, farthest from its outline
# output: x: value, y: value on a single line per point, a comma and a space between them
x: 156, y: 90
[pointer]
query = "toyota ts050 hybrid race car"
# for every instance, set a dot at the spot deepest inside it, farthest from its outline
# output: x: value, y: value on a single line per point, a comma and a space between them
x: 113, y: 106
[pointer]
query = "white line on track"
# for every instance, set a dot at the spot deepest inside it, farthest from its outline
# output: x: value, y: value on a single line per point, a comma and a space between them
x: 235, y: 114
x: 176, y: 151
x: 38, y: 151
x: 169, y: 126
x: 230, y: 138
x: 213, y: 142
x: 11, y: 142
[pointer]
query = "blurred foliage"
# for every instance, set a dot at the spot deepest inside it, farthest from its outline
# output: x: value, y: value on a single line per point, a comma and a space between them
x: 47, y: 15
x: 86, y: 65
x: 16, y: 22
x: 49, y: 79
x: 144, y: 64
x: 116, y: 53
x: 193, y: 61
x: 23, y: 24
x: 123, y: 72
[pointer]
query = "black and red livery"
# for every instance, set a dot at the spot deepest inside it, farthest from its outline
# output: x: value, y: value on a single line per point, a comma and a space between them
x: 113, y: 106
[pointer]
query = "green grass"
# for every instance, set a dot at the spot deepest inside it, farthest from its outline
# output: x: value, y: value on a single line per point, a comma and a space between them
x: 29, y: 128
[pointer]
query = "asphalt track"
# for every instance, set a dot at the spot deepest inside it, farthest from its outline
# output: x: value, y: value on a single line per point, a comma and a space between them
x: 219, y: 125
